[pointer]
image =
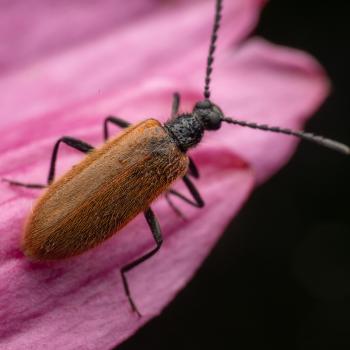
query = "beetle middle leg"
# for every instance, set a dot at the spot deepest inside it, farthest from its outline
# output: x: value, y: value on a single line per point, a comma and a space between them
x: 197, y: 200
x: 192, y: 169
x: 157, y: 235
x: 70, y: 141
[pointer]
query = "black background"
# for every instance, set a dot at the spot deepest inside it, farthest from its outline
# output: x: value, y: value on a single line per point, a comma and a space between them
x: 280, y: 276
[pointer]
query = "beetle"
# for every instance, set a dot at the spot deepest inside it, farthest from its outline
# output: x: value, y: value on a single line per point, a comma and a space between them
x: 119, y: 180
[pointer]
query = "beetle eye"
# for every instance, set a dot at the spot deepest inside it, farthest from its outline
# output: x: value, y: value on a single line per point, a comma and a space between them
x: 203, y: 104
x: 210, y: 115
x: 212, y: 121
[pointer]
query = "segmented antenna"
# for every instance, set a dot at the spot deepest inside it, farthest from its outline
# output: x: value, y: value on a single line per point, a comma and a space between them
x: 336, y: 146
x: 212, y: 47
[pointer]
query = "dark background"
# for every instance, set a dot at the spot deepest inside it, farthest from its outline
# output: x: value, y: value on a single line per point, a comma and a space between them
x: 280, y: 276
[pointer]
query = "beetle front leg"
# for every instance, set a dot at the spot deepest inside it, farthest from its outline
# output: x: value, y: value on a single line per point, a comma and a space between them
x: 175, y: 105
x: 116, y: 121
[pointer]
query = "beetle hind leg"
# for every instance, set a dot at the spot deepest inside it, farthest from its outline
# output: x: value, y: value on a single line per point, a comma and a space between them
x: 21, y: 184
x: 69, y: 141
x: 157, y: 235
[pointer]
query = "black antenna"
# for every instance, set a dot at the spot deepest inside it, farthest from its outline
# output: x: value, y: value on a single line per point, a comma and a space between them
x: 336, y: 146
x: 212, y: 47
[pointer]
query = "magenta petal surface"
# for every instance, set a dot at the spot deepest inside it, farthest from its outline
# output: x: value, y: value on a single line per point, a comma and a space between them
x: 67, y: 86
x: 80, y: 301
x: 266, y: 84
x: 158, y: 39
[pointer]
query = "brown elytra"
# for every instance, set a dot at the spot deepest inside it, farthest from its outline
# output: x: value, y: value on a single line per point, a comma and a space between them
x: 102, y: 193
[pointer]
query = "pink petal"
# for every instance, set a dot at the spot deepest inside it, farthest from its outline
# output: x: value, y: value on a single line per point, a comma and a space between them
x: 80, y: 302
x: 88, y: 287
x: 267, y: 84
x: 114, y: 60
x: 32, y: 30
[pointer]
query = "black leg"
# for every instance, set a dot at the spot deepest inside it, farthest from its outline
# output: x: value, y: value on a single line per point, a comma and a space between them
x: 177, y: 211
x: 198, y: 201
x: 117, y: 121
x: 70, y: 141
x: 16, y: 183
x: 175, y: 105
x: 157, y: 235
x: 192, y: 169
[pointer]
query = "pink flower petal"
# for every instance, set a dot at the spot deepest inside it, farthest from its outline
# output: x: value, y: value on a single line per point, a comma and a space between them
x: 120, y: 59
x: 80, y: 302
x: 267, y: 84
x: 53, y: 27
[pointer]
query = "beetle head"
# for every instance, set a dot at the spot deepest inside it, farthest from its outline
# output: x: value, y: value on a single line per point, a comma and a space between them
x: 210, y: 114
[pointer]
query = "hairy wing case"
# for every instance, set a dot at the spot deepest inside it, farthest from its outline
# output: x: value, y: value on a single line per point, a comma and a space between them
x: 104, y: 192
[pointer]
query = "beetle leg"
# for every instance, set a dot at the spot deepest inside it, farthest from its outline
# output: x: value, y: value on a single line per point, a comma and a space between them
x: 117, y: 121
x: 157, y: 235
x: 70, y: 141
x: 198, y: 201
x: 192, y: 169
x: 175, y: 106
x: 177, y: 211
x: 16, y: 183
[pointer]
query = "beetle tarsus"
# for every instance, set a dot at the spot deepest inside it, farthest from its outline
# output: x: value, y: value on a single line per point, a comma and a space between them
x: 134, y: 307
x: 21, y: 184
x: 177, y: 211
x: 127, y: 292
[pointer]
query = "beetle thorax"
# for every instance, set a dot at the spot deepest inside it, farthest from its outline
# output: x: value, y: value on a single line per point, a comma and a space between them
x: 186, y: 130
